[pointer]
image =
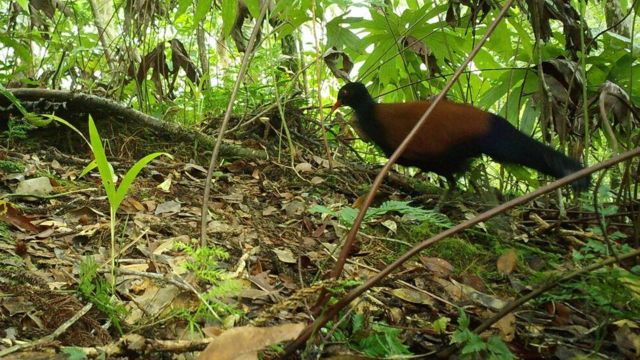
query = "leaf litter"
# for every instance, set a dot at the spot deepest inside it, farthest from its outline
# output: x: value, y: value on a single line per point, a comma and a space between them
x: 282, y: 232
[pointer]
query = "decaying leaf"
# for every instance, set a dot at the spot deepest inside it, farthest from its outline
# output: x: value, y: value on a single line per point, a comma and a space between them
x: 412, y: 296
x: 11, y: 215
x: 339, y: 63
x: 459, y: 291
x: 423, y: 52
x: 156, y: 60
x: 439, y: 267
x: 573, y: 24
x: 245, y: 342
x: 285, y: 255
x: 507, y: 262
x: 506, y: 327
x: 304, y: 167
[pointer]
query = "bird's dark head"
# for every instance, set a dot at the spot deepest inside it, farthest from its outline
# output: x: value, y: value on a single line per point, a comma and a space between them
x: 353, y: 95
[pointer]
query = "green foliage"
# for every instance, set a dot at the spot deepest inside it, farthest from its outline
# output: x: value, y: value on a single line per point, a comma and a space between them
x: 347, y: 215
x: 16, y: 130
x: 5, y: 234
x: 95, y: 289
x: 375, y: 339
x: 9, y: 166
x: 459, y: 252
x: 229, y: 10
x: 204, y: 263
x: 115, y: 195
x: 612, y: 291
x: 472, y: 345
x: 74, y: 353
x: 440, y: 325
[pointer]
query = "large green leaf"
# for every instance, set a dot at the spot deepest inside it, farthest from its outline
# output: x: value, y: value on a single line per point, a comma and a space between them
x: 229, y: 11
x: 202, y: 8
x: 183, y: 5
x: 497, y: 91
x: 254, y: 7
x: 106, y: 171
x: 342, y: 37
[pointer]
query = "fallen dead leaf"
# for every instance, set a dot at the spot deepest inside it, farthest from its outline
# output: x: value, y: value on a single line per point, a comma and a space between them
x: 507, y: 327
x: 285, y: 255
x: 391, y: 225
x: 38, y: 186
x: 269, y: 210
x: 243, y: 343
x: 171, y: 206
x: 12, y: 216
x: 294, y: 208
x: 165, y: 186
x: 304, y: 167
x: 507, y: 262
x: 439, y: 267
x: 412, y: 296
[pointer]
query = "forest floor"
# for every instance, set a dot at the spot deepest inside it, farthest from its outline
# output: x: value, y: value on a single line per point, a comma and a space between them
x: 280, y: 225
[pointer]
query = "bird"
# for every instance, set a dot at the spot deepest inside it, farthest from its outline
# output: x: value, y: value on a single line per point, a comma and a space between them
x: 452, y: 136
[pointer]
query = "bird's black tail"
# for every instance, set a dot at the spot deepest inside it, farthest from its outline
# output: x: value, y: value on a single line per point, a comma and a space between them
x: 506, y: 144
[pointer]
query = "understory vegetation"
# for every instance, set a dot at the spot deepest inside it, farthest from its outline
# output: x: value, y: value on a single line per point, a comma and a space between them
x: 115, y: 114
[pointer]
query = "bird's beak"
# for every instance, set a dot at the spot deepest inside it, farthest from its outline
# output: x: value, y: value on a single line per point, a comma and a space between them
x: 336, y: 105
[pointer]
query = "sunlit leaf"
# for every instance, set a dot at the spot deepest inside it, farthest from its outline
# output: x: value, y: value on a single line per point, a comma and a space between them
x: 229, y: 11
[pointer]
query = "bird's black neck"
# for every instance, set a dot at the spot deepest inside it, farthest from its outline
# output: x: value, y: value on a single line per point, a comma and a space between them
x: 367, y: 121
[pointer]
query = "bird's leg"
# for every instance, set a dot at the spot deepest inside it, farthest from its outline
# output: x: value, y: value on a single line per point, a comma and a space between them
x: 451, y: 187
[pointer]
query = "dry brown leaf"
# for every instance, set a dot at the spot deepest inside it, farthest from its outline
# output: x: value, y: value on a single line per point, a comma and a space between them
x: 412, y: 296
x: 135, y: 204
x: 507, y: 262
x: 359, y: 201
x: 245, y: 342
x: 339, y: 63
x: 269, y: 210
x: 562, y: 313
x: 294, y: 208
x: 481, y: 298
x: 454, y: 292
x: 11, y: 215
x: 285, y: 255
x: 439, y: 267
x: 507, y: 327
x: 170, y: 206
x: 304, y: 167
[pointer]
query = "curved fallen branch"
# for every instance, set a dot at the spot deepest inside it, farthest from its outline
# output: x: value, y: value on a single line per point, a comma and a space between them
x: 96, y: 105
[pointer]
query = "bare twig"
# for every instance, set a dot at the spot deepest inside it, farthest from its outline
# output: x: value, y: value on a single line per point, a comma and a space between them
x: 234, y: 93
